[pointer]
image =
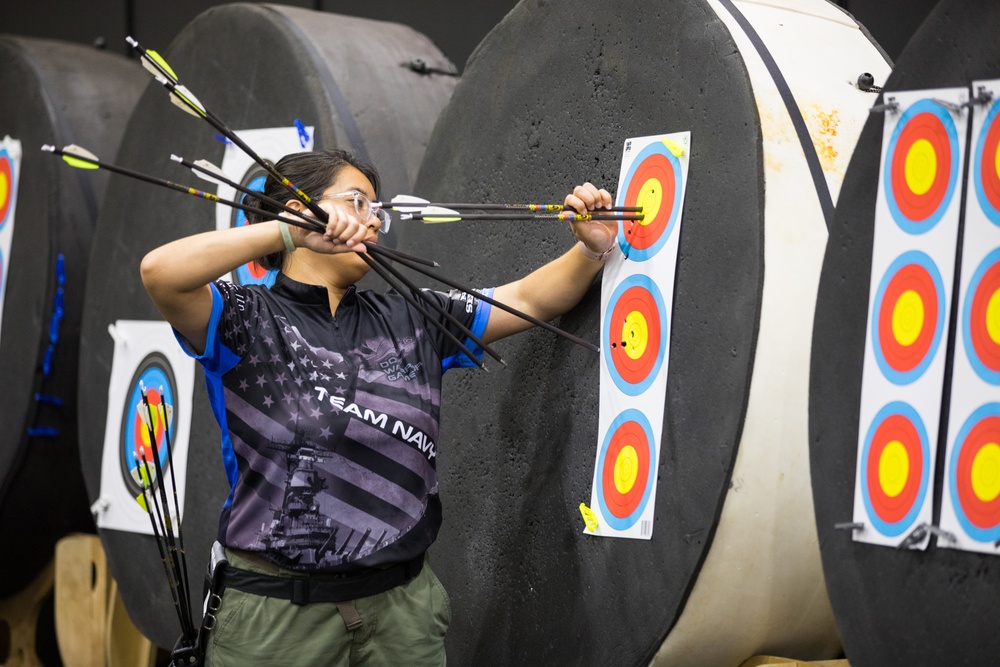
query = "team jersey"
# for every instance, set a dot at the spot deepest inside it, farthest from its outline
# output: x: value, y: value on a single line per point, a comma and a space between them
x: 330, y: 423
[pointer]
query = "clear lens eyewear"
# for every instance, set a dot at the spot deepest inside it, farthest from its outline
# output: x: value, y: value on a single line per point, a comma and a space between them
x: 365, y: 209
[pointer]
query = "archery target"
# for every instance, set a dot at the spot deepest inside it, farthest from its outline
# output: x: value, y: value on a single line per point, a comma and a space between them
x: 986, y: 165
x: 974, y: 474
x: 626, y: 465
x: 251, y: 273
x: 8, y: 186
x: 137, y: 447
x: 981, y: 319
x: 895, y: 468
x: 653, y: 182
x: 271, y: 144
x: 635, y: 334
x: 908, y: 317
x: 921, y: 166
x: 146, y: 354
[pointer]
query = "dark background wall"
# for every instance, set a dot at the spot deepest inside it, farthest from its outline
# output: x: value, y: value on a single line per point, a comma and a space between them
x: 456, y: 26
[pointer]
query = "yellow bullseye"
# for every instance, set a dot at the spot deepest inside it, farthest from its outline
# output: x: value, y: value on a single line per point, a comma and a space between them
x: 4, y: 188
x: 993, y: 317
x: 908, y: 317
x: 986, y: 472
x: 626, y: 469
x: 893, y: 468
x: 635, y: 334
x: 921, y: 166
x: 650, y: 197
x: 996, y: 162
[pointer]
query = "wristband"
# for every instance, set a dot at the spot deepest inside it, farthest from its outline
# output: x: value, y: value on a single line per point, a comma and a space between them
x: 286, y: 236
x: 600, y: 257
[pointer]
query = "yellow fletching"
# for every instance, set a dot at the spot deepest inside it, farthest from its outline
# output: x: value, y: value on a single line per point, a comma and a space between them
x: 141, y: 499
x: 161, y: 62
x: 78, y: 163
x: 440, y: 219
x: 589, y: 518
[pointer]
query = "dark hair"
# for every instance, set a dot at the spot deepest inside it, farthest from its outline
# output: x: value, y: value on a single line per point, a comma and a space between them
x: 311, y: 172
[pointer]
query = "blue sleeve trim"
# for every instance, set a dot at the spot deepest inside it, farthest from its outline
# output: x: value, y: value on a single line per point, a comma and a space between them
x: 479, y: 322
x: 217, y: 358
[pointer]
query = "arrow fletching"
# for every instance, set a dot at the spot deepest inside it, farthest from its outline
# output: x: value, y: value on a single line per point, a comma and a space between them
x: 143, y: 414
x: 153, y: 62
x: 408, y: 204
x: 184, y: 99
x: 78, y: 157
x: 208, y: 166
x: 440, y: 214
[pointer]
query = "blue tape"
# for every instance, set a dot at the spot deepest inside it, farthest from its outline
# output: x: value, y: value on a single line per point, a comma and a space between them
x: 43, y: 431
x: 303, y: 133
x: 49, y: 400
x: 57, y: 314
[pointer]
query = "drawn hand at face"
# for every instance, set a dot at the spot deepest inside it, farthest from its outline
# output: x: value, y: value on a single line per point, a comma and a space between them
x: 345, y: 232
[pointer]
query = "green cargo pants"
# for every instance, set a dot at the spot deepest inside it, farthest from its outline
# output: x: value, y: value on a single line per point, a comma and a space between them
x: 402, y: 626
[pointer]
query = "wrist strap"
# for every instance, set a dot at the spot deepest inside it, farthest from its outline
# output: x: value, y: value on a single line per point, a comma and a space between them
x: 286, y: 236
x: 600, y: 257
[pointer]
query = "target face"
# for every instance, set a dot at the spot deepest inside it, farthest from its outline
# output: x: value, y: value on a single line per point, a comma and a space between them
x: 908, y: 317
x: 251, y: 273
x: 895, y: 468
x: 136, y: 447
x: 626, y: 464
x: 921, y: 167
x: 986, y: 165
x: 974, y: 474
x: 7, y: 186
x: 654, y: 183
x: 981, y: 319
x: 635, y: 334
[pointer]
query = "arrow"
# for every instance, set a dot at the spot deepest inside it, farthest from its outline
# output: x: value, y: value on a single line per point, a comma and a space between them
x: 207, y: 171
x: 185, y: 99
x: 431, y: 214
x: 392, y: 254
x: 81, y: 158
x: 411, y: 204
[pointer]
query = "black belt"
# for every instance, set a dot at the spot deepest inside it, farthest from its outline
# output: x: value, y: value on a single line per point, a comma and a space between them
x: 303, y: 589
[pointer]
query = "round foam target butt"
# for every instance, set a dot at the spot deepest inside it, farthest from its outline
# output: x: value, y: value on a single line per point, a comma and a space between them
x: 881, y: 596
x: 55, y: 93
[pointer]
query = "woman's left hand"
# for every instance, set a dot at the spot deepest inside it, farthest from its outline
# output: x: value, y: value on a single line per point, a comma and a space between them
x: 597, y: 235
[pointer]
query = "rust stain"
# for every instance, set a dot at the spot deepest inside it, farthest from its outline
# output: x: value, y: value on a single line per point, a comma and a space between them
x: 825, y: 136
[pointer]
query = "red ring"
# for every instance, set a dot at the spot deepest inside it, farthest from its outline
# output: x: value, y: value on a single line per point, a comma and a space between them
x: 635, y: 299
x: 623, y: 505
x: 987, y: 351
x: 988, y: 165
x: 896, y: 427
x: 256, y: 270
x: 656, y: 166
x: 904, y: 358
x: 982, y: 514
x: 914, y: 206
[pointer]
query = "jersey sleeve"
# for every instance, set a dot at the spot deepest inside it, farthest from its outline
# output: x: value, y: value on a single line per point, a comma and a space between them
x: 472, y: 312
x: 232, y: 327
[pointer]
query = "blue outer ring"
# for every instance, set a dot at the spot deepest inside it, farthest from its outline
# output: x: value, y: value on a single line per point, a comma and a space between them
x: 901, y: 526
x: 923, y: 226
x: 910, y: 257
x: 630, y: 415
x: 637, y: 254
x: 243, y: 274
x: 647, y: 283
x: 987, y: 374
x: 977, y: 175
x: 973, y: 531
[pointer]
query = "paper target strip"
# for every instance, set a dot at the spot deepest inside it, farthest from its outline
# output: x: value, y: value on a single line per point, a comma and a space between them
x: 271, y: 144
x: 10, y: 172
x: 913, y: 261
x: 146, y: 354
x: 970, y: 502
x: 636, y: 301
